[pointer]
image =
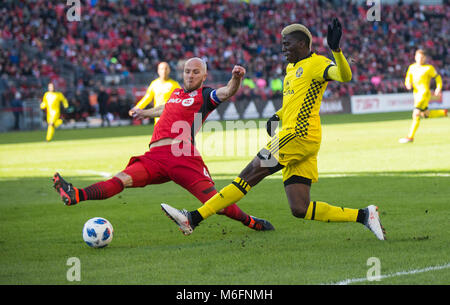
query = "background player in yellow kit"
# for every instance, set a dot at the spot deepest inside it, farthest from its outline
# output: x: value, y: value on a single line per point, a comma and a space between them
x: 52, y: 101
x: 159, y: 90
x: 418, y: 78
x: 295, y: 148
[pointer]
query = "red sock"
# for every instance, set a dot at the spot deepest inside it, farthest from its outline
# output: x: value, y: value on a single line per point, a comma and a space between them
x: 102, y: 190
x: 204, y: 190
x: 235, y: 212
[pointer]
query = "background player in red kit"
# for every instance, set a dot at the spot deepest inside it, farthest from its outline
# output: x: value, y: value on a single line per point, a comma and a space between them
x: 172, y: 155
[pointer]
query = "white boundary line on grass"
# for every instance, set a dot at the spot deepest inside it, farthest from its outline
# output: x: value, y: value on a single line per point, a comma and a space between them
x: 278, y: 175
x: 400, y: 273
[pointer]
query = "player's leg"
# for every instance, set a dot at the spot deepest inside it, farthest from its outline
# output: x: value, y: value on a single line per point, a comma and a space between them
x: 298, y: 194
x: 204, y: 190
x: 50, y: 132
x: 53, y: 123
x: 297, y: 190
x: 437, y: 113
x: 58, y: 122
x: 416, y: 115
x: 135, y: 175
x: 253, y: 173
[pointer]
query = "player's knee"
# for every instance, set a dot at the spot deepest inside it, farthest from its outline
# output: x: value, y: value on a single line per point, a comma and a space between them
x: 253, y: 173
x: 125, y: 178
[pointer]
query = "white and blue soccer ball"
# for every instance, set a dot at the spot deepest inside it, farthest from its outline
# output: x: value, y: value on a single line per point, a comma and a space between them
x: 98, y: 232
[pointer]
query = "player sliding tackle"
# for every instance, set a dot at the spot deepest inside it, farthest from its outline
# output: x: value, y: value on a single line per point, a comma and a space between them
x: 172, y: 155
x: 294, y: 149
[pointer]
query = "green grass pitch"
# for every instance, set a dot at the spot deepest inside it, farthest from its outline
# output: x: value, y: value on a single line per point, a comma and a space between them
x: 360, y: 163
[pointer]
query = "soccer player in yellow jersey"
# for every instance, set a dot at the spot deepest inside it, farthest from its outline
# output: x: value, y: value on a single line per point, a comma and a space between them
x: 52, y: 101
x: 159, y: 90
x: 418, y: 78
x: 294, y: 149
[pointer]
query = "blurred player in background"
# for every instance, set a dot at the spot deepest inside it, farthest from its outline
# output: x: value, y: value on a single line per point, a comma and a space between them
x: 52, y: 101
x: 159, y: 90
x: 295, y: 148
x: 418, y: 78
x: 172, y: 155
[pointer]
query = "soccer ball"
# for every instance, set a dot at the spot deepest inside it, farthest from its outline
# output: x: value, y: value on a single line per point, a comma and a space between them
x: 97, y: 232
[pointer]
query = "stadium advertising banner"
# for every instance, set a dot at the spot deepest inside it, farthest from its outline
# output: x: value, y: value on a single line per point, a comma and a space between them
x: 393, y: 102
x: 263, y: 109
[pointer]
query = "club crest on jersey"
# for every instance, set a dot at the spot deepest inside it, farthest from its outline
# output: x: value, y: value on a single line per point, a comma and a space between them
x: 299, y: 72
x: 188, y: 102
x: 193, y: 93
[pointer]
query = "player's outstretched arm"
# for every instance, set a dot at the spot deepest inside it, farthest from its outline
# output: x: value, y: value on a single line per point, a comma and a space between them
x: 147, y: 113
x: 224, y: 93
x: 341, y: 72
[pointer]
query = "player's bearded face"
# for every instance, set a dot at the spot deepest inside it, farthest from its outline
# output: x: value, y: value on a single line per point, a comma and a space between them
x: 193, y: 77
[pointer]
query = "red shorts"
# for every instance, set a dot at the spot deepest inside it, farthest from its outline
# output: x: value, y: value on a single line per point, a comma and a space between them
x: 159, y: 165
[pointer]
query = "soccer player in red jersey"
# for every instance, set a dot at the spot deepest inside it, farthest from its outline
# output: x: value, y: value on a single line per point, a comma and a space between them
x: 172, y: 155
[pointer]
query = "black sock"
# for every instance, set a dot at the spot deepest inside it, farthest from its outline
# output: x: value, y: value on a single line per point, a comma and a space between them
x: 361, y: 216
x: 196, y: 217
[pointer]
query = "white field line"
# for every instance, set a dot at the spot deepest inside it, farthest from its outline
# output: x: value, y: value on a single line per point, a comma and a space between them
x: 400, y: 273
x: 229, y: 176
x: 278, y: 175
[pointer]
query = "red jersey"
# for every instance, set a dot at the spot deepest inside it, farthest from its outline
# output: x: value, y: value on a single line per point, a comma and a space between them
x: 184, y: 114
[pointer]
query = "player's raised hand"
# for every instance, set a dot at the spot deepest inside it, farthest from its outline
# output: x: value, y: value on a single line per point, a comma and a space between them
x: 238, y: 71
x: 334, y: 34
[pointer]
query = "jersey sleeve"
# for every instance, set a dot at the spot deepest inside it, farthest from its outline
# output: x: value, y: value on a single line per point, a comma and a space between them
x: 210, y: 98
x: 147, y: 98
x: 44, y: 102
x: 64, y: 101
x: 408, y: 77
x: 340, y: 71
x: 433, y: 72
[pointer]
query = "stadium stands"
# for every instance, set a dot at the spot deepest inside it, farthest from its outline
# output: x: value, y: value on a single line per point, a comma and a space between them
x: 126, y: 39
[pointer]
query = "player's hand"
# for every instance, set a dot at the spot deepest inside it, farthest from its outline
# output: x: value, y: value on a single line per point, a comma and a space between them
x: 132, y: 111
x: 334, y: 34
x: 238, y: 71
x: 408, y: 86
x: 137, y: 113
x: 437, y: 92
x: 272, y: 124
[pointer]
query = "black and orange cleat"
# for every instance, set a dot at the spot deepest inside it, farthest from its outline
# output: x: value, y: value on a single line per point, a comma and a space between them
x: 260, y: 224
x: 68, y: 193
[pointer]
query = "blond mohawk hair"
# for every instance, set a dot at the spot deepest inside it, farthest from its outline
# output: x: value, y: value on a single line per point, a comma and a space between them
x: 296, y: 27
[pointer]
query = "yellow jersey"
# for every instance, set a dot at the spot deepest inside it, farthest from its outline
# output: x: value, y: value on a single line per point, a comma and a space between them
x: 52, y: 102
x: 159, y: 91
x: 419, y: 76
x: 303, y: 88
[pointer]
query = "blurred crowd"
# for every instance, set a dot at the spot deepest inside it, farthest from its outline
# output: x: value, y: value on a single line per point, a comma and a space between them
x: 130, y: 36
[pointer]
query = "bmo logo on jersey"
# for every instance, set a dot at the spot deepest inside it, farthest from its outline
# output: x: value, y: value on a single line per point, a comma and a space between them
x: 186, y: 102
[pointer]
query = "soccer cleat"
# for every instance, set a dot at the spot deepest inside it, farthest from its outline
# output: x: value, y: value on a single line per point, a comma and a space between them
x: 68, y: 193
x: 405, y: 140
x: 181, y: 217
x: 372, y: 222
x: 260, y: 224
